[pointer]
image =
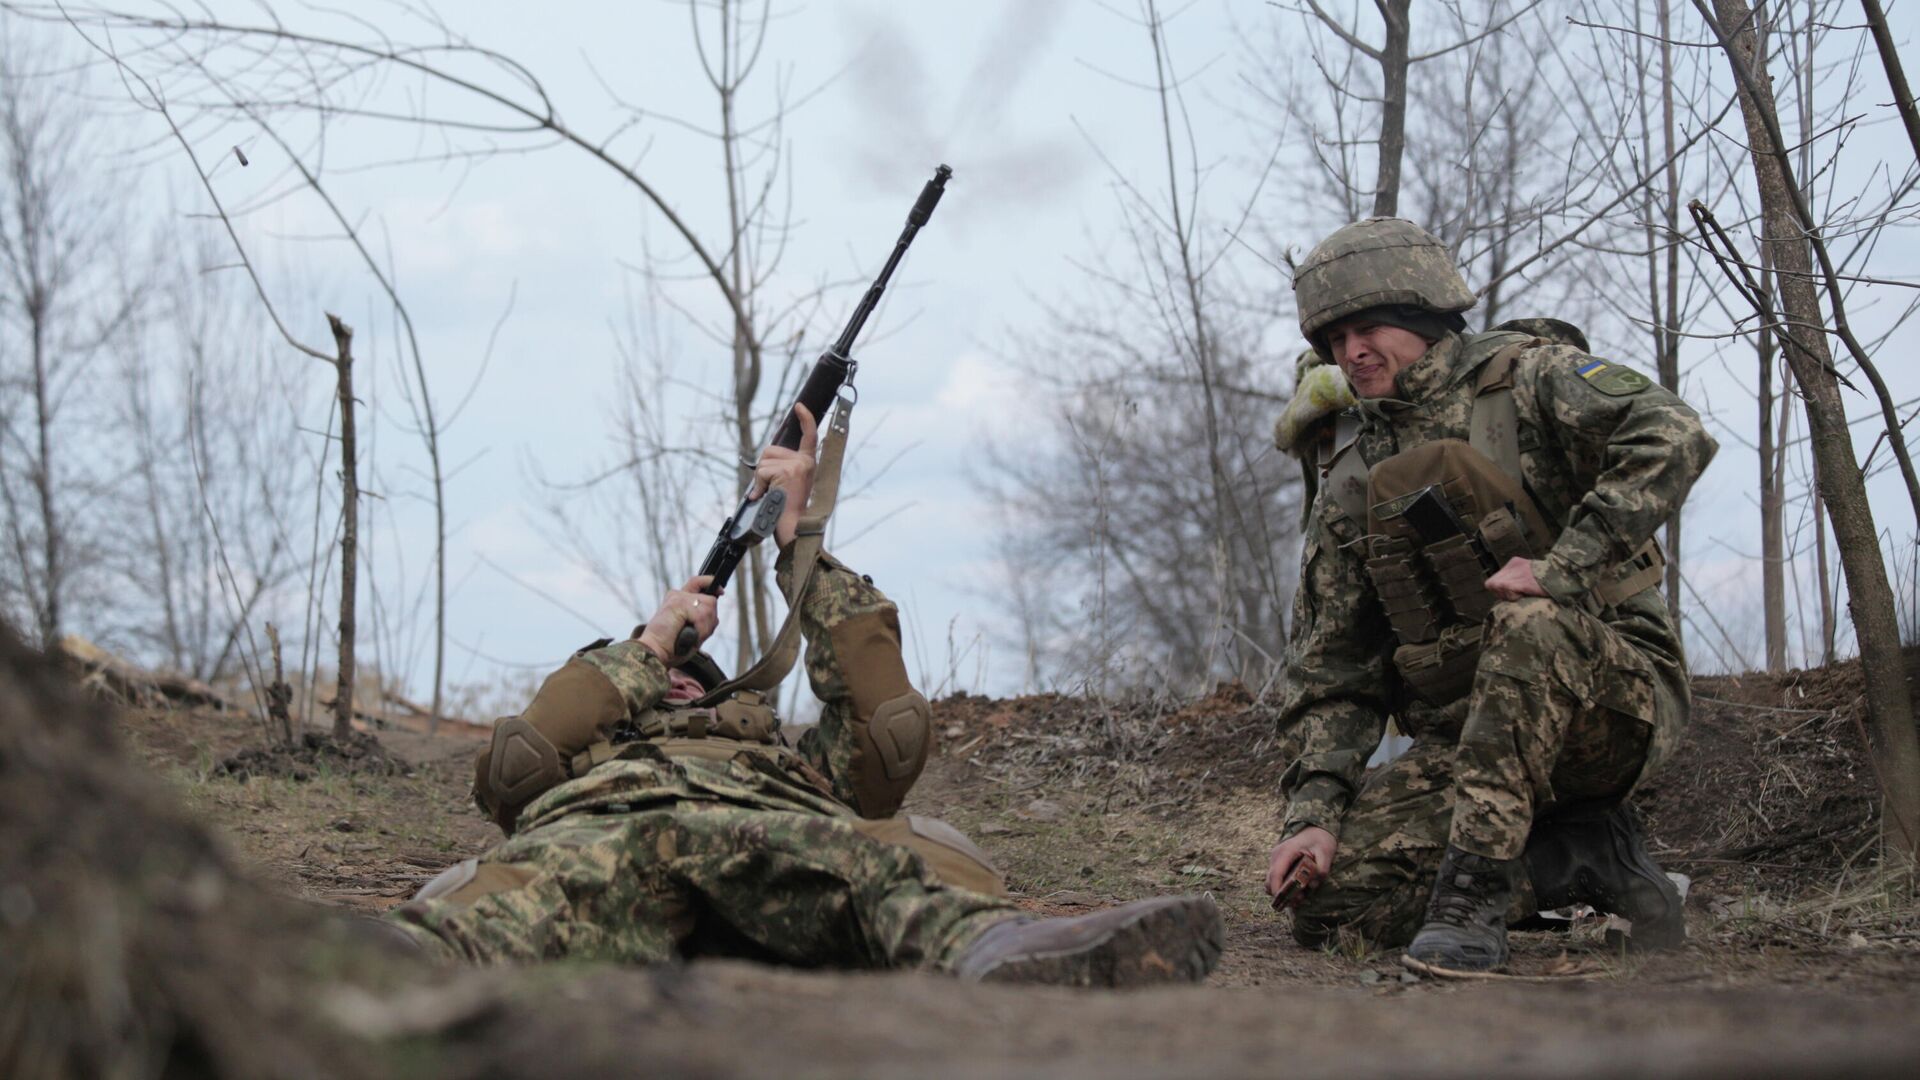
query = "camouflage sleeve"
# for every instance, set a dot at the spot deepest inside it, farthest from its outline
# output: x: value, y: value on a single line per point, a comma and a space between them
x: 634, y: 670
x: 1637, y: 446
x: 1336, y: 698
x: 874, y: 730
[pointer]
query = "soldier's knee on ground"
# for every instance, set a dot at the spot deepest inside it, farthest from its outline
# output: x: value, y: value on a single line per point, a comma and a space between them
x: 1316, y: 926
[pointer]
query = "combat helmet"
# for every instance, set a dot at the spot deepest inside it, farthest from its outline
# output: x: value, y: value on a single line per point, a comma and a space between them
x: 1371, y: 263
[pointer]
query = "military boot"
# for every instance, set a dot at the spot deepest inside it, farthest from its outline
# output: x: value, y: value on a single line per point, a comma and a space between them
x: 1165, y: 939
x: 1601, y: 859
x: 1466, y: 927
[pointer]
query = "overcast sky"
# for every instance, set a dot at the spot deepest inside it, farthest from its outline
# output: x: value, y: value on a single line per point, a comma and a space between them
x: 1028, y: 100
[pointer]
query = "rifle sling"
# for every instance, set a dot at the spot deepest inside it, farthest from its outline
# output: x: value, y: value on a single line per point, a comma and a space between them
x: 771, y: 669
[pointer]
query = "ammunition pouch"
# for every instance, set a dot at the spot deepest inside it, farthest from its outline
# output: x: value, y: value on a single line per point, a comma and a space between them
x: 1434, y: 587
x: 1441, y: 671
x: 711, y: 733
x: 1406, y: 592
x: 743, y: 718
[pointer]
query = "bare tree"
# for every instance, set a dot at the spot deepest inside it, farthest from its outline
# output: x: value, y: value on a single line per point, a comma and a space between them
x: 146, y: 94
x: 1794, y: 240
x: 762, y: 334
x: 1663, y: 274
x: 1394, y: 57
x: 1903, y: 102
x: 349, y: 524
x: 205, y: 418
x: 1633, y: 85
x: 1161, y: 504
x: 1770, y: 452
x: 61, y: 303
x: 471, y: 103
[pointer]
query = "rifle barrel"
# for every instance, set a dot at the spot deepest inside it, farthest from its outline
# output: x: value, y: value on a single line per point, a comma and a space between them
x: 830, y: 371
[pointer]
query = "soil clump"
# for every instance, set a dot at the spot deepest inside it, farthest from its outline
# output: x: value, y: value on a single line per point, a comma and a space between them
x: 311, y: 753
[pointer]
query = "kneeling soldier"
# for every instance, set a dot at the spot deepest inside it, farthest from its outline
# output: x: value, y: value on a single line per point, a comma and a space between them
x: 1480, y: 564
x: 650, y: 821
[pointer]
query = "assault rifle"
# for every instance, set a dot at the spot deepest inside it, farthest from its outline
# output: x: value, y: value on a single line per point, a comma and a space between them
x: 756, y: 517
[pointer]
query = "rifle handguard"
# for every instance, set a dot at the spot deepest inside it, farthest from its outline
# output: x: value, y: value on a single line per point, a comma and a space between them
x: 760, y: 516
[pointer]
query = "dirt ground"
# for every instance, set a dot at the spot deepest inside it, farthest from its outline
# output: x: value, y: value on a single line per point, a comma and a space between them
x: 1802, y: 959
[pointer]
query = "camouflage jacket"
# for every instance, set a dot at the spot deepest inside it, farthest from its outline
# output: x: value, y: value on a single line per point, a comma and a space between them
x: 820, y: 773
x: 1607, y: 455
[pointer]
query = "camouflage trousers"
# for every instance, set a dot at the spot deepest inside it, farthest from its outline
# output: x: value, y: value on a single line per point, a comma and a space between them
x: 688, y: 878
x: 1562, y: 714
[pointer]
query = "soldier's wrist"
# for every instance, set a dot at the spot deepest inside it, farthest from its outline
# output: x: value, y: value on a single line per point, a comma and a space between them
x: 1563, y: 583
x: 1295, y: 826
x: 661, y: 650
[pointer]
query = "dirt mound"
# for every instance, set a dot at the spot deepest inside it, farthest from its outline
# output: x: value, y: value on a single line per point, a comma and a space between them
x: 312, y: 754
x: 1133, y: 751
x: 1773, y: 783
x: 130, y: 944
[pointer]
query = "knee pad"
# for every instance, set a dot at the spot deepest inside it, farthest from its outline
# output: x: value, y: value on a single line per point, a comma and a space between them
x: 575, y: 708
x: 893, y: 723
x: 893, y: 743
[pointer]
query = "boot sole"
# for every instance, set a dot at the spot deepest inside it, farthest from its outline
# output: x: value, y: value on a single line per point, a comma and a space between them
x: 1438, y: 966
x: 1441, y: 971
x: 1175, y: 939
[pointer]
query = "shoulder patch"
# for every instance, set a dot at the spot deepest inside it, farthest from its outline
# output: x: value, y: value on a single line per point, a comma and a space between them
x: 1612, y: 379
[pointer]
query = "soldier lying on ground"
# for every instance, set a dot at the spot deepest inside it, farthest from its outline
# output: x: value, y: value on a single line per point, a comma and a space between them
x: 643, y: 829
x: 1479, y: 564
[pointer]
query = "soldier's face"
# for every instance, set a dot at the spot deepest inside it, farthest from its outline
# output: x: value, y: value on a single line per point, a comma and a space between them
x: 1370, y: 354
x: 682, y: 687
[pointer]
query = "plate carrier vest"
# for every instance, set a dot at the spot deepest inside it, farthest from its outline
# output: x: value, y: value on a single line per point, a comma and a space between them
x: 1434, y: 591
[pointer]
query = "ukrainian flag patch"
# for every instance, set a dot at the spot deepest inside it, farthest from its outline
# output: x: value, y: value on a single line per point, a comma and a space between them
x: 1612, y: 379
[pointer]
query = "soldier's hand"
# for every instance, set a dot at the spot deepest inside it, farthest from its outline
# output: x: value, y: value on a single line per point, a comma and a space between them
x: 1312, y: 844
x: 684, y: 606
x: 792, y: 472
x: 1515, y: 580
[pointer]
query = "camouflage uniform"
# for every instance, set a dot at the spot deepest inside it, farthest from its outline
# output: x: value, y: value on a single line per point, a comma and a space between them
x: 1571, y: 701
x: 756, y: 850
